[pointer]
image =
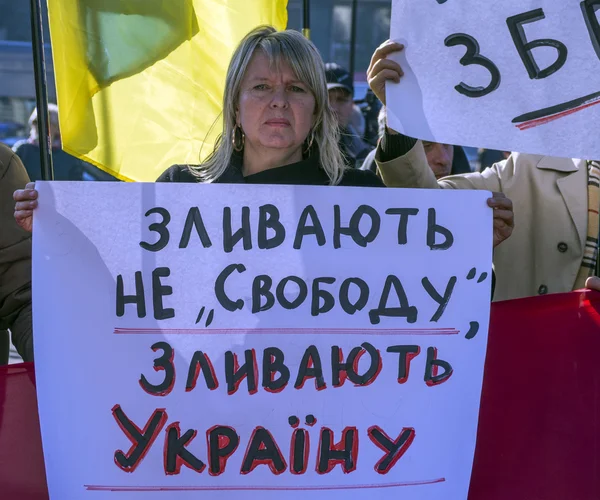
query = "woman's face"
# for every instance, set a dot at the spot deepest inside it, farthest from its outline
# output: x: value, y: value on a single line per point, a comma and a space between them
x: 276, y: 110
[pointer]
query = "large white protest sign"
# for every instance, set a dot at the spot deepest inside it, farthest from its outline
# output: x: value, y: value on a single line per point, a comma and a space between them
x: 516, y: 75
x: 227, y: 342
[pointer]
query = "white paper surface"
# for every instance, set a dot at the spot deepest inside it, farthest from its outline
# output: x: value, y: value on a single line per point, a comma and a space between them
x: 426, y: 105
x: 88, y: 359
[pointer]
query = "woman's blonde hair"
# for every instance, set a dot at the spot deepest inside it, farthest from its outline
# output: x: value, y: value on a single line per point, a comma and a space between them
x: 305, y: 61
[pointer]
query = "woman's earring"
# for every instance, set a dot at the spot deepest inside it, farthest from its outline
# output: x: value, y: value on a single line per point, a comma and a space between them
x: 238, y: 139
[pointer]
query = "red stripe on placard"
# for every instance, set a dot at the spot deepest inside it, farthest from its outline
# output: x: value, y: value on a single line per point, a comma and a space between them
x: 543, y: 121
x: 285, y: 331
x: 264, y: 488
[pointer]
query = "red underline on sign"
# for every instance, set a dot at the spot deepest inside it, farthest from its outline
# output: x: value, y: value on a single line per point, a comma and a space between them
x: 544, y: 116
x: 90, y: 487
x: 286, y: 331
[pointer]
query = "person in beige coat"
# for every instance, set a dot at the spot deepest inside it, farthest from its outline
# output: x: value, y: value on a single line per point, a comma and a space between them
x: 15, y: 261
x: 549, y: 195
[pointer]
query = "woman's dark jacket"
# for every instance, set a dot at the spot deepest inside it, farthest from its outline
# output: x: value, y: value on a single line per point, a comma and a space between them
x: 306, y: 172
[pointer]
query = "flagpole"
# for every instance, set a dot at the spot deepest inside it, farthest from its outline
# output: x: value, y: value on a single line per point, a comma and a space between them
x: 353, y: 39
x: 306, y: 19
x: 41, y: 91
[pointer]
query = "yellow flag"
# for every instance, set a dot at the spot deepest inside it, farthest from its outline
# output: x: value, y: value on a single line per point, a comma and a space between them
x: 140, y: 82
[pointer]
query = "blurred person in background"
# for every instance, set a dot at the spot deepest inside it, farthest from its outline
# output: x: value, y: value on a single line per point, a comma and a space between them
x: 370, y: 107
x: 446, y: 159
x: 554, y: 247
x: 341, y: 99
x: 357, y: 121
x: 15, y: 263
x: 66, y: 166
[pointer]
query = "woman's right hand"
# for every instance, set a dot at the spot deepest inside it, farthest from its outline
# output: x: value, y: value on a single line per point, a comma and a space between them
x: 26, y: 203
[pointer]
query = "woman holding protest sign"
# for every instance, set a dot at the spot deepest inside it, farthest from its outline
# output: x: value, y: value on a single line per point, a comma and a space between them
x: 278, y: 127
x: 555, y: 246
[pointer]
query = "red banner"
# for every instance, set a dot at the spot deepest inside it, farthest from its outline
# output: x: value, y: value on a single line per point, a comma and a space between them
x: 539, y: 423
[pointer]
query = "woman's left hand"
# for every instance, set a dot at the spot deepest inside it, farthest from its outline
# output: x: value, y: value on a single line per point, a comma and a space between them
x: 504, y: 217
x: 593, y: 283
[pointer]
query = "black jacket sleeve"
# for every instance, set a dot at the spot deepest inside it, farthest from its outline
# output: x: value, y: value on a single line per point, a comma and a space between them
x: 393, y: 146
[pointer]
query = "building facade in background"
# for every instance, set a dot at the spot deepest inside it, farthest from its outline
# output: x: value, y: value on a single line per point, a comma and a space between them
x: 331, y: 27
x: 17, y: 85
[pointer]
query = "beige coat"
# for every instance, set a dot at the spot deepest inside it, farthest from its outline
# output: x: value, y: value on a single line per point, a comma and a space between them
x: 549, y: 196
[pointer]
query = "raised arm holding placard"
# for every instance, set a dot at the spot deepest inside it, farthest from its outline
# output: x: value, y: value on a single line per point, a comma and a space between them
x: 554, y: 246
